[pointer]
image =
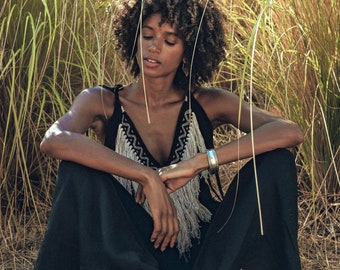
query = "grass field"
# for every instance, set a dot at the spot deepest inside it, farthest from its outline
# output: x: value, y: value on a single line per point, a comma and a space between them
x: 283, y: 56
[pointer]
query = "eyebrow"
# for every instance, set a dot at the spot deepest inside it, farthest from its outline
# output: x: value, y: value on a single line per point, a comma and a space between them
x: 168, y: 32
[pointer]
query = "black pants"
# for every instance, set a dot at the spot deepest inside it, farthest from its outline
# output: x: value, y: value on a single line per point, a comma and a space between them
x: 95, y: 224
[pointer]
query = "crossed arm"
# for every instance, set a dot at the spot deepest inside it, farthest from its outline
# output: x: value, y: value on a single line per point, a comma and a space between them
x: 264, y: 132
x: 65, y: 140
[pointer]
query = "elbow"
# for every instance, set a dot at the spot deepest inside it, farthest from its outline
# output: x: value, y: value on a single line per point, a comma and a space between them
x: 44, y: 146
x: 300, y: 138
x: 296, y: 134
x: 51, y: 144
x: 47, y: 146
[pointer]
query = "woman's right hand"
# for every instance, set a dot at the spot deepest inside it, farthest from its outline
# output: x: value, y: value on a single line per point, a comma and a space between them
x: 163, y: 212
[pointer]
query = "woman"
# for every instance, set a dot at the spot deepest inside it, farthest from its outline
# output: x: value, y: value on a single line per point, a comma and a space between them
x: 139, y: 197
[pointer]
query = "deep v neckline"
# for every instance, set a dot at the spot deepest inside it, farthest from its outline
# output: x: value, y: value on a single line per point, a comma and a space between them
x: 178, y: 141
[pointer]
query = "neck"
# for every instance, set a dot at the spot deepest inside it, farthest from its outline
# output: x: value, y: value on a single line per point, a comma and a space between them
x: 158, y: 91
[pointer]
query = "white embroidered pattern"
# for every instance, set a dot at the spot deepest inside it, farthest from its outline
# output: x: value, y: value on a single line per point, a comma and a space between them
x: 189, y: 143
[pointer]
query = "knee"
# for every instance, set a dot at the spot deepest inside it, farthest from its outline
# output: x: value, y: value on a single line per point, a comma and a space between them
x: 279, y: 165
x: 74, y: 169
x: 70, y: 167
x: 278, y: 158
x: 271, y: 163
x: 74, y: 174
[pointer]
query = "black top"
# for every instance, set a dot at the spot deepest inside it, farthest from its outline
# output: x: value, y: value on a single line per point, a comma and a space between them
x: 182, y: 128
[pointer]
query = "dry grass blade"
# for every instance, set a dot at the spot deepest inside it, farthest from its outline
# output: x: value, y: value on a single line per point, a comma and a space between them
x: 290, y: 66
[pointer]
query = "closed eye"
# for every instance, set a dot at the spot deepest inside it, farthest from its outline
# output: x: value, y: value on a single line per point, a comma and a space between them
x: 170, y: 43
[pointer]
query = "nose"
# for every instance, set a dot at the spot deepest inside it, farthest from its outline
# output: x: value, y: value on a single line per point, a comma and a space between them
x: 155, y: 46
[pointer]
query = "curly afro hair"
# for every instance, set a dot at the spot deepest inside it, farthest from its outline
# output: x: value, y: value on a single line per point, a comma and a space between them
x: 187, y: 15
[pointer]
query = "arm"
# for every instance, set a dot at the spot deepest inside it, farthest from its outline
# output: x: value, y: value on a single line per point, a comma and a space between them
x: 269, y: 132
x: 65, y: 140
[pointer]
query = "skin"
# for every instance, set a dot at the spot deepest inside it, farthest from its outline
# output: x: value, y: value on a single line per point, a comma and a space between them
x: 160, y: 51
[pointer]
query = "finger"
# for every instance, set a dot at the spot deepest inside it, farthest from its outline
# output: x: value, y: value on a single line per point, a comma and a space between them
x: 169, y: 233
x: 157, y: 226
x: 169, y: 187
x: 176, y: 229
x: 143, y: 197
x: 170, y: 237
x: 167, y: 168
x: 167, y: 171
x: 139, y: 194
x: 163, y: 232
x: 159, y: 230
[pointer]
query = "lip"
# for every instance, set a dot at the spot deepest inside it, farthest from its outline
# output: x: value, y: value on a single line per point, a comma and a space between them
x: 151, y: 62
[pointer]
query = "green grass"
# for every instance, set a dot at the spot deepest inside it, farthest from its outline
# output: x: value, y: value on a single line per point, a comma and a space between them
x: 283, y: 56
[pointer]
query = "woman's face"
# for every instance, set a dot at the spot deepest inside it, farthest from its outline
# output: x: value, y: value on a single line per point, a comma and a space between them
x: 160, y: 49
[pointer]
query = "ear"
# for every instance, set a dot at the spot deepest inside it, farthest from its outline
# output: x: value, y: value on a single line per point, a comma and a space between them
x: 185, y: 67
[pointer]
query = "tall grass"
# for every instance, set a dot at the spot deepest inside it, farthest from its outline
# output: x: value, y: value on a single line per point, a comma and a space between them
x: 283, y: 56
x: 288, y: 52
x: 49, y: 51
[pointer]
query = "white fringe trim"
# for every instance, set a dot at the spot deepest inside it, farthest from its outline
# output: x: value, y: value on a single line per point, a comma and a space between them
x: 189, y: 210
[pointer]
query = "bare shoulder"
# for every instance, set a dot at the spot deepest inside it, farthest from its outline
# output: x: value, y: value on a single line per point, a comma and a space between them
x: 224, y: 107
x: 90, y: 109
x: 217, y: 103
x: 209, y: 94
x: 96, y: 101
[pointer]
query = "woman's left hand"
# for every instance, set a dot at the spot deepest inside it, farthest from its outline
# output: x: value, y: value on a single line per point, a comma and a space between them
x: 173, y: 176
x: 176, y: 175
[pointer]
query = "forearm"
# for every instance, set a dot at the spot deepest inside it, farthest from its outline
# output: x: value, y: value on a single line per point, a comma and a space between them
x: 81, y: 149
x: 266, y: 138
x: 273, y: 135
x: 86, y: 151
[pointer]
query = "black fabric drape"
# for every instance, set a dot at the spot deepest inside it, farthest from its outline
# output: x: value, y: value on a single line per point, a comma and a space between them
x: 234, y: 240
x: 95, y: 224
x: 89, y: 227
